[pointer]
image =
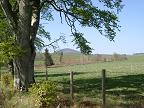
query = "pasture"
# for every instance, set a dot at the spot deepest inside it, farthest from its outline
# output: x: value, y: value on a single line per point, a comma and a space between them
x: 124, y: 82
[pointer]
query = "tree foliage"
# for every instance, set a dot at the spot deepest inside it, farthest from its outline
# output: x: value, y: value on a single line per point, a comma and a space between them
x: 73, y: 11
x: 8, y: 48
x: 44, y: 94
x: 82, y: 43
x: 87, y: 15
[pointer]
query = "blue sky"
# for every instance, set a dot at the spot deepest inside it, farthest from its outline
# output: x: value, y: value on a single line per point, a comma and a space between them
x: 128, y: 41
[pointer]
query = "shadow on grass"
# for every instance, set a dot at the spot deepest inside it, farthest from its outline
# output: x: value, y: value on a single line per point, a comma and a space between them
x: 127, y: 88
x: 43, y: 74
x: 38, y: 72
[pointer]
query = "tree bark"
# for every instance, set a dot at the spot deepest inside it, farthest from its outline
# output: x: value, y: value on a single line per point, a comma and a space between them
x: 25, y: 25
x: 23, y: 63
x: 34, y: 27
x: 11, y: 67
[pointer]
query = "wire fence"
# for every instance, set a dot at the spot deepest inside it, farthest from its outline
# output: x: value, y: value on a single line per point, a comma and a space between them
x: 123, y: 83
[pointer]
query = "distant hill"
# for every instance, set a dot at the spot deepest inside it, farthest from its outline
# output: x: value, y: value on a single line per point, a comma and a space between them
x: 68, y: 50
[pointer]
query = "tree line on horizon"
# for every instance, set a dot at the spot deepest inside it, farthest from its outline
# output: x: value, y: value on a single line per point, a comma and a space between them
x: 77, y: 58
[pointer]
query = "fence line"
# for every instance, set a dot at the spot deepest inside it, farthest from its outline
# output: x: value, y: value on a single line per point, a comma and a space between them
x: 103, y: 87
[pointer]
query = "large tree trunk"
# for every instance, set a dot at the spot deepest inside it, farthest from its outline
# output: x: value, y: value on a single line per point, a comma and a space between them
x: 22, y: 64
x: 27, y: 30
x: 24, y: 25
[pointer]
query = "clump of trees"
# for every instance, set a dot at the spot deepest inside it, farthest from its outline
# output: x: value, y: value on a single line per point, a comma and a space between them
x: 108, y: 58
x: 99, y: 57
x: 48, y: 61
x: 119, y: 57
x: 48, y: 58
x: 61, y: 57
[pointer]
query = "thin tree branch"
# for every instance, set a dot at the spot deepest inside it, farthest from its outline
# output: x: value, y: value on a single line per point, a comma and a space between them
x: 51, y: 44
x: 44, y: 2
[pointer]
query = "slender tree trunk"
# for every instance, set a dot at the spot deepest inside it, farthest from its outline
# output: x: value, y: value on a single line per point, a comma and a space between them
x: 34, y: 27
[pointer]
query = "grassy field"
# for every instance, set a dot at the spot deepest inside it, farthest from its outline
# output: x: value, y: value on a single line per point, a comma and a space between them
x: 124, y: 83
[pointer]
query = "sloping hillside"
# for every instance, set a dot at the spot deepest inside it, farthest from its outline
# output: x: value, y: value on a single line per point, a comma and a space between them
x: 68, y: 50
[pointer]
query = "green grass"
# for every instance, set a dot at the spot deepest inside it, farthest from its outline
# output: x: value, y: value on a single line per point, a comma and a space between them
x: 124, y: 81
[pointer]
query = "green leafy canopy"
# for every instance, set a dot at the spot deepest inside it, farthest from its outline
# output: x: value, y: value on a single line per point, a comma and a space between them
x: 85, y: 12
x: 87, y: 15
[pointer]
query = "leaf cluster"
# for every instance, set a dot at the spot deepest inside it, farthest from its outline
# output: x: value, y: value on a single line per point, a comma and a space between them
x: 44, y: 94
x: 82, y: 43
x: 9, y: 49
x: 7, y: 85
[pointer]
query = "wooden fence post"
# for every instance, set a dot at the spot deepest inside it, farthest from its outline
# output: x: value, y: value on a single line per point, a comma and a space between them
x: 71, y: 86
x: 103, y: 88
x: 46, y: 73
